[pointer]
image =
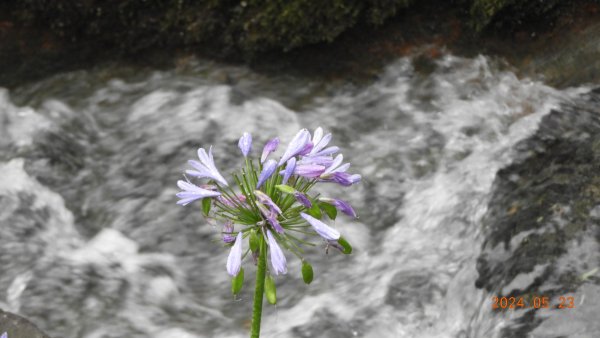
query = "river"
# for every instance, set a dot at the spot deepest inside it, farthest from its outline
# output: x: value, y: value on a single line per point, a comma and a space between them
x: 93, y: 245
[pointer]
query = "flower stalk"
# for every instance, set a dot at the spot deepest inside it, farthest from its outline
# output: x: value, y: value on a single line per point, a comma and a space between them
x: 259, y: 289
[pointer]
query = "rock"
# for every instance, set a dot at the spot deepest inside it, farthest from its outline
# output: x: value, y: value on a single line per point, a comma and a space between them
x: 18, y: 327
x: 541, y: 234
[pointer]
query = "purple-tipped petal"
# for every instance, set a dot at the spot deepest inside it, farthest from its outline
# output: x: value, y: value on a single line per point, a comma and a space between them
x: 319, y: 141
x: 336, y: 163
x: 289, y: 170
x: 206, y: 167
x: 228, y: 236
x: 309, y: 170
x: 306, y: 150
x: 192, y: 192
x: 303, y: 199
x: 341, y: 205
x: 245, y: 144
x: 341, y: 178
x: 234, y: 261
x: 271, y: 217
x: 278, y: 260
x: 321, y: 228
x: 296, y: 145
x: 267, y: 171
x: 270, y: 147
x: 266, y: 200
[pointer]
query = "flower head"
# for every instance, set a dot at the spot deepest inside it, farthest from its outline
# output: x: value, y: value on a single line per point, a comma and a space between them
x: 206, y: 167
x: 4, y: 335
x: 270, y: 209
x: 192, y: 192
x: 234, y: 261
x: 245, y: 144
x: 278, y: 260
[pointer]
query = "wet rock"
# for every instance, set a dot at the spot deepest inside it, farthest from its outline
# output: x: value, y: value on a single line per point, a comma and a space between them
x: 18, y: 327
x: 542, y: 237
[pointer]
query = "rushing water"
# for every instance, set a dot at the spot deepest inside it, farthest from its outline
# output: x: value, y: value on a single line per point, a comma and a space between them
x: 93, y: 245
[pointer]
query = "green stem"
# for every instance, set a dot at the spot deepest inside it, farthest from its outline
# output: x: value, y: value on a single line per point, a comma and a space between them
x: 260, y: 289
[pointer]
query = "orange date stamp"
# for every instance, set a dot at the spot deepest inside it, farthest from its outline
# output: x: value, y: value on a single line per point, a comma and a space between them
x: 535, y: 302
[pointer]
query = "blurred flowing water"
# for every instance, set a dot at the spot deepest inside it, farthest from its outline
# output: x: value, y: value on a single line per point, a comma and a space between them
x: 93, y: 245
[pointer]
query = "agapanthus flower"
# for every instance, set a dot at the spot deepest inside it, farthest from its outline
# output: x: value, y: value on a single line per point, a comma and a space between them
x: 270, y: 147
x: 336, y: 172
x: 278, y: 260
x: 234, y: 261
x: 267, y: 171
x: 192, y: 192
x: 274, y: 212
x: 302, y: 199
x: 321, y: 228
x: 228, y: 236
x: 206, y: 167
x: 266, y: 200
x: 309, y: 170
x: 341, y: 205
x: 245, y: 144
x: 289, y: 170
x: 271, y: 217
x: 297, y: 145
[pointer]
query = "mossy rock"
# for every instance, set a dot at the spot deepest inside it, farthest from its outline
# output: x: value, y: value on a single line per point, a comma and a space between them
x: 18, y: 327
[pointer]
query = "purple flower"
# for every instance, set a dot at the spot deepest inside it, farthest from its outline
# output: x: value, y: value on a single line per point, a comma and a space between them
x: 206, y: 167
x: 341, y: 205
x: 271, y: 216
x: 302, y: 199
x: 289, y: 170
x: 307, y: 148
x: 266, y: 172
x: 265, y: 199
x: 191, y: 193
x: 297, y: 145
x: 278, y: 260
x: 245, y: 144
x: 270, y: 147
x: 341, y: 178
x: 234, y: 261
x: 4, y: 335
x: 337, y: 173
x: 309, y: 170
x: 335, y: 166
x: 228, y: 232
x: 321, y: 228
x: 325, y: 161
x: 319, y: 141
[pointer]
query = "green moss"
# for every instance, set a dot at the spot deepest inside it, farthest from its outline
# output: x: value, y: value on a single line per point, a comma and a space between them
x: 510, y: 12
